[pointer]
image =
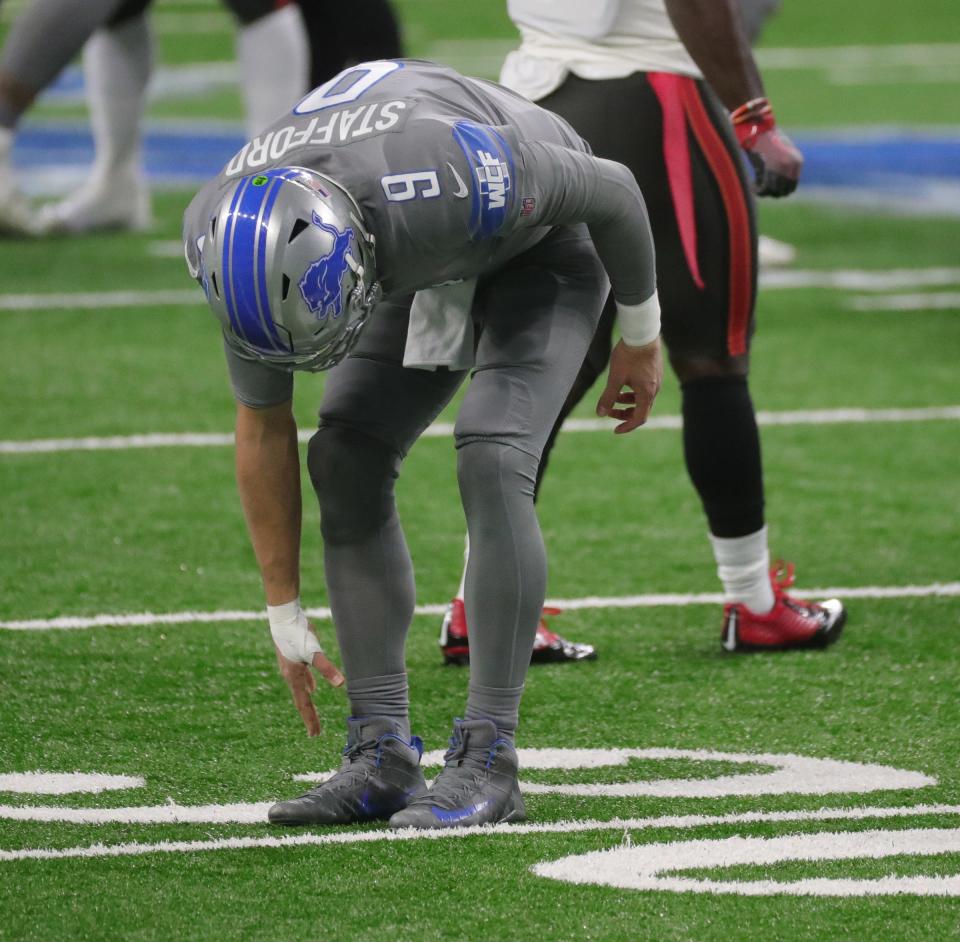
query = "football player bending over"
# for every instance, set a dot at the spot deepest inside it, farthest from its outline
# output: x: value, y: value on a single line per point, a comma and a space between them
x: 490, y: 231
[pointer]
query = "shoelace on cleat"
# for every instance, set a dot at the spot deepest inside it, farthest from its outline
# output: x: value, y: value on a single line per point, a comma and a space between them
x: 355, y: 754
x: 457, y: 782
x: 782, y: 578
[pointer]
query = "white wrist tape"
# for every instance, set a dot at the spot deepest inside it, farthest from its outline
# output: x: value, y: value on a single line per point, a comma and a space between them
x: 291, y: 633
x: 639, y: 323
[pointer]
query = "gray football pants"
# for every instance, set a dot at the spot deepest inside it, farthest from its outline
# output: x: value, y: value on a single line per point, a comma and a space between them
x: 535, y: 318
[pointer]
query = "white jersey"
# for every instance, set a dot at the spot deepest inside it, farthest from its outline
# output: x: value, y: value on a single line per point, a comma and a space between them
x: 613, y: 39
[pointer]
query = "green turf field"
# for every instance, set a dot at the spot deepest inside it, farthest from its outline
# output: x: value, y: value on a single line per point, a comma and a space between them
x: 193, y: 711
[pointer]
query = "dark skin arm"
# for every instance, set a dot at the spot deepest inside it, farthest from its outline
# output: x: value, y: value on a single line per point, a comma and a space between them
x: 712, y: 31
x: 713, y: 34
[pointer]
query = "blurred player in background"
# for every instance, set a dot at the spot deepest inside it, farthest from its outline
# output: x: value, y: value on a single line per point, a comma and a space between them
x: 336, y: 41
x: 273, y: 55
x: 277, y: 66
x: 755, y: 14
x: 466, y: 203
x: 632, y: 77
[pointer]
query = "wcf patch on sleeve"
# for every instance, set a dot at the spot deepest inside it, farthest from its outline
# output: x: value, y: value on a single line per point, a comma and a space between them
x: 491, y: 165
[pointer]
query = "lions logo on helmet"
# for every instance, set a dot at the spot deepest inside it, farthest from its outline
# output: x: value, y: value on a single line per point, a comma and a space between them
x: 320, y: 286
x: 290, y: 268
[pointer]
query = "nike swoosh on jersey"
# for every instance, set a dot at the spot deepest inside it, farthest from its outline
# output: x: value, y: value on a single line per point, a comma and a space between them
x: 462, y: 192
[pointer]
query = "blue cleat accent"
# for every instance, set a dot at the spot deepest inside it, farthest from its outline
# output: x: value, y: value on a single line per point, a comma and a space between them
x: 379, y: 776
x: 478, y: 783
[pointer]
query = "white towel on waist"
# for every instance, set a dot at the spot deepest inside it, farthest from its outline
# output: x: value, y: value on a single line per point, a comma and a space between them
x: 441, y: 329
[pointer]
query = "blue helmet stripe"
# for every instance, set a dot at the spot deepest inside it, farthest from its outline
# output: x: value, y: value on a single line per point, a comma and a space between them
x: 262, y: 295
x: 258, y: 328
x: 225, y: 260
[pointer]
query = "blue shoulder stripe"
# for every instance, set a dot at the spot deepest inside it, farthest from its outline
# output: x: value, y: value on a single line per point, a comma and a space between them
x: 492, y: 174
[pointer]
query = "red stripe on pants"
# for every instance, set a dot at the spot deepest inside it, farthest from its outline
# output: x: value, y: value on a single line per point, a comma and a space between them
x: 676, y: 157
x: 738, y: 218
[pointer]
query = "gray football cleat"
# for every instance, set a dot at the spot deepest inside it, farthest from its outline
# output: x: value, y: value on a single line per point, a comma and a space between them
x: 478, y: 783
x: 379, y: 775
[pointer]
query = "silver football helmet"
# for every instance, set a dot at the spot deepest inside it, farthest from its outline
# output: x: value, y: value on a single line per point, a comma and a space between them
x: 289, y: 269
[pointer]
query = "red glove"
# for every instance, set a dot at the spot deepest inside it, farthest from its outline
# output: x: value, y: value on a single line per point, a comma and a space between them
x: 775, y: 160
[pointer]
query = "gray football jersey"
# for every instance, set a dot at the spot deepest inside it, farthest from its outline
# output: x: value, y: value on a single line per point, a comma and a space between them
x: 454, y: 176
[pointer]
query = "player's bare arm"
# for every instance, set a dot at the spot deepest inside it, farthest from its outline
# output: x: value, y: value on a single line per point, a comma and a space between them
x: 268, y: 477
x: 712, y: 32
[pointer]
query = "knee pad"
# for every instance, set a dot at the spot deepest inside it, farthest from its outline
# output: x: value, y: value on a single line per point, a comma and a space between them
x: 353, y: 476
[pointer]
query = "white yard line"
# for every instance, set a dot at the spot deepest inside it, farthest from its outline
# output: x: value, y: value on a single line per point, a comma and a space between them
x: 859, y: 279
x: 132, y: 849
x: 923, y: 55
x: 848, y: 416
x: 88, y: 300
x: 147, y: 619
x: 66, y: 783
x: 932, y: 301
x: 165, y: 248
x: 854, y: 279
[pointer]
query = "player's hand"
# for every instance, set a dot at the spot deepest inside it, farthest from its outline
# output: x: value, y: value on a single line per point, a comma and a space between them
x: 298, y: 649
x: 640, y: 370
x: 776, y: 161
x: 302, y: 684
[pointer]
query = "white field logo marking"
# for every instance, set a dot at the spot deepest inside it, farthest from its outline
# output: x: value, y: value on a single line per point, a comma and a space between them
x: 643, y: 866
x: 791, y: 774
x: 647, y: 866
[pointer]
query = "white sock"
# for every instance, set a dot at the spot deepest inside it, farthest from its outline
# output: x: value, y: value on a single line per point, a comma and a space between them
x: 466, y: 559
x: 117, y: 64
x: 743, y: 565
x: 274, y: 66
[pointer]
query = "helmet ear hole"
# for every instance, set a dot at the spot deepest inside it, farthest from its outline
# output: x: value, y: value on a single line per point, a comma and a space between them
x: 298, y: 227
x: 213, y: 281
x: 284, y: 288
x: 213, y: 228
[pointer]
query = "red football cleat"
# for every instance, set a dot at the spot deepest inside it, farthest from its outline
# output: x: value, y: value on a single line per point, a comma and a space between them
x: 548, y: 646
x: 453, y: 634
x: 791, y: 623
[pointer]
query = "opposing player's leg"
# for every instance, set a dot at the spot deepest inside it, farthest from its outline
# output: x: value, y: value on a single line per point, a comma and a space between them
x: 117, y: 64
x: 42, y: 40
x: 707, y: 263
x: 549, y: 647
x: 536, y: 325
x: 680, y: 149
x: 274, y: 57
x: 336, y: 42
x: 373, y: 410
